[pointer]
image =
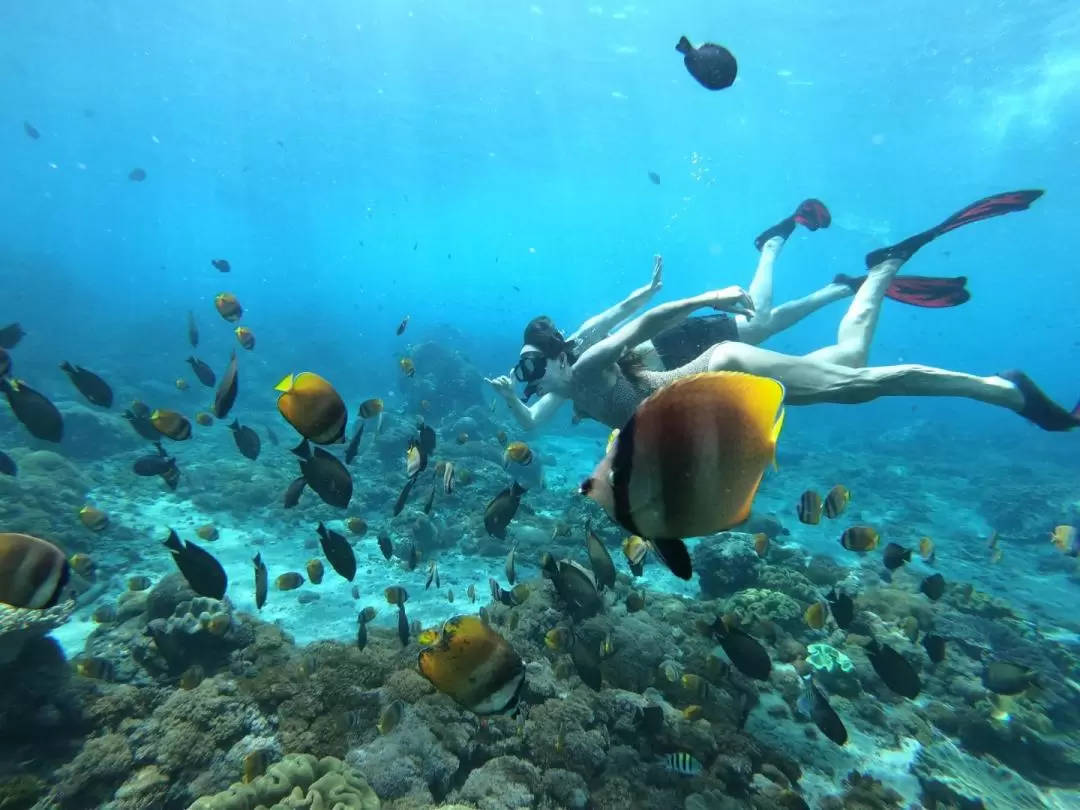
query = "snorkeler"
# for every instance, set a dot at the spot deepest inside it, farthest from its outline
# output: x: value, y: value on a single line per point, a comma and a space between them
x: 607, y: 381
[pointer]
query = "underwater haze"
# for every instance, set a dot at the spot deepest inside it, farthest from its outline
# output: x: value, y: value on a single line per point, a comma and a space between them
x: 385, y: 195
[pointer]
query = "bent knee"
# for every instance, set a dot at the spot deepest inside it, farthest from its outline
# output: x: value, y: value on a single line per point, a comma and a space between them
x: 728, y: 356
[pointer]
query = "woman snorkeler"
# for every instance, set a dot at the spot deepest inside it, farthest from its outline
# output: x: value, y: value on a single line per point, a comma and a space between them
x: 606, y: 381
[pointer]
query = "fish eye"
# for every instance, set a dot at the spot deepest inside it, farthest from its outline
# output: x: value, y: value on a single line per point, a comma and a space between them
x: 611, y: 479
x: 587, y: 486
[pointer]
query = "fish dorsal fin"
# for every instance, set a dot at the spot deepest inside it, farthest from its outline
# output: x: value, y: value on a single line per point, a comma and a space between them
x: 286, y: 384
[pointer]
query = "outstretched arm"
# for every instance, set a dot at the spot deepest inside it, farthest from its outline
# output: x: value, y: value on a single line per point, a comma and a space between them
x: 528, y: 417
x: 600, y: 325
x: 656, y: 320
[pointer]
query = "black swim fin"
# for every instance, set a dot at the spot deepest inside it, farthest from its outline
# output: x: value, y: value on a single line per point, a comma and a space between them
x: 928, y: 292
x: 674, y: 555
x: 1038, y: 408
x: 995, y: 205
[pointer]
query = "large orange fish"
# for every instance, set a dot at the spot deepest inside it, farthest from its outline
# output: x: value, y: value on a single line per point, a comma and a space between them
x: 689, y: 461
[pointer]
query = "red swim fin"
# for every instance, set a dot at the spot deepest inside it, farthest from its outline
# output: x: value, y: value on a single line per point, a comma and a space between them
x: 995, y: 205
x: 813, y: 214
x: 929, y: 292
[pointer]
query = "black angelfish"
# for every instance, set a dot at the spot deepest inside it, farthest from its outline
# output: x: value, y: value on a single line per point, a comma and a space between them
x: 712, y: 65
x: 199, y: 567
x: 338, y: 552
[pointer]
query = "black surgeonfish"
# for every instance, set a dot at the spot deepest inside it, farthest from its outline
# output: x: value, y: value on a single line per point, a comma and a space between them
x: 11, y: 335
x: 143, y: 425
x: 293, y: 493
x: 200, y: 568
x: 894, y: 670
x: 353, y: 448
x: 713, y: 66
x: 33, y: 572
x: 89, y: 384
x: 327, y: 476
x: 501, y: 510
x: 1007, y: 678
x: 337, y: 551
x: 842, y: 608
x: 202, y: 371
x: 586, y: 657
x: 158, y: 464
x: 225, y: 396
x: 814, y: 704
x: 192, y: 330
x: 261, y: 581
x: 602, y: 565
x: 247, y: 440
x: 689, y: 460
x: 5, y: 363
x: 746, y: 653
x: 399, y: 504
x: 35, y: 410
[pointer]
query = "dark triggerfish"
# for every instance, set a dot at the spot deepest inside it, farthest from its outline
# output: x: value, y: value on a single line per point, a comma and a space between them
x: 689, y: 461
x: 325, y: 474
x: 713, y: 66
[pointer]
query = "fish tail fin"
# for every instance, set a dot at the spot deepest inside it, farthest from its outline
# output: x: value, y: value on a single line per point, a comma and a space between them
x: 235, y: 424
x: 160, y: 450
x: 285, y: 385
x: 172, y: 542
x: 673, y: 554
x: 67, y: 368
x: 684, y: 47
x: 302, y: 450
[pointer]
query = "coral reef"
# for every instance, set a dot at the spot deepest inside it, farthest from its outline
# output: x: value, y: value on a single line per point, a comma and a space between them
x: 20, y: 625
x: 297, y: 781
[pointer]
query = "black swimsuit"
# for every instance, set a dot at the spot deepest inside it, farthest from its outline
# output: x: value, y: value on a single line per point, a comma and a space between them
x: 681, y: 344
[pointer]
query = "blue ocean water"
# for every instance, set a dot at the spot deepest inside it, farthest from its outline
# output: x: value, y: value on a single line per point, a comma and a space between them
x: 475, y: 166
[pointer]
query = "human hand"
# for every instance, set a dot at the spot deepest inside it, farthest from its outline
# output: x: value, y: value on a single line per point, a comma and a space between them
x: 504, y: 386
x: 733, y: 299
x: 657, y: 274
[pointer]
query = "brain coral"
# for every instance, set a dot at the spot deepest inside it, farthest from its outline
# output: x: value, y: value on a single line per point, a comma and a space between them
x: 297, y: 781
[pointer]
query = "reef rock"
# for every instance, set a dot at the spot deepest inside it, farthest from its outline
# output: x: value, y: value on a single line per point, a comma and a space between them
x: 726, y: 563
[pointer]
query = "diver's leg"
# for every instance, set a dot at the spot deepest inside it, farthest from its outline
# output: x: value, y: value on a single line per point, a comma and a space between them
x: 788, y: 314
x: 859, y: 323
x: 808, y: 381
x: 812, y: 215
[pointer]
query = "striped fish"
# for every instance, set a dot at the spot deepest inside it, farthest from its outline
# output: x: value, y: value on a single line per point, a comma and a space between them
x: 682, y: 764
x: 809, y: 508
